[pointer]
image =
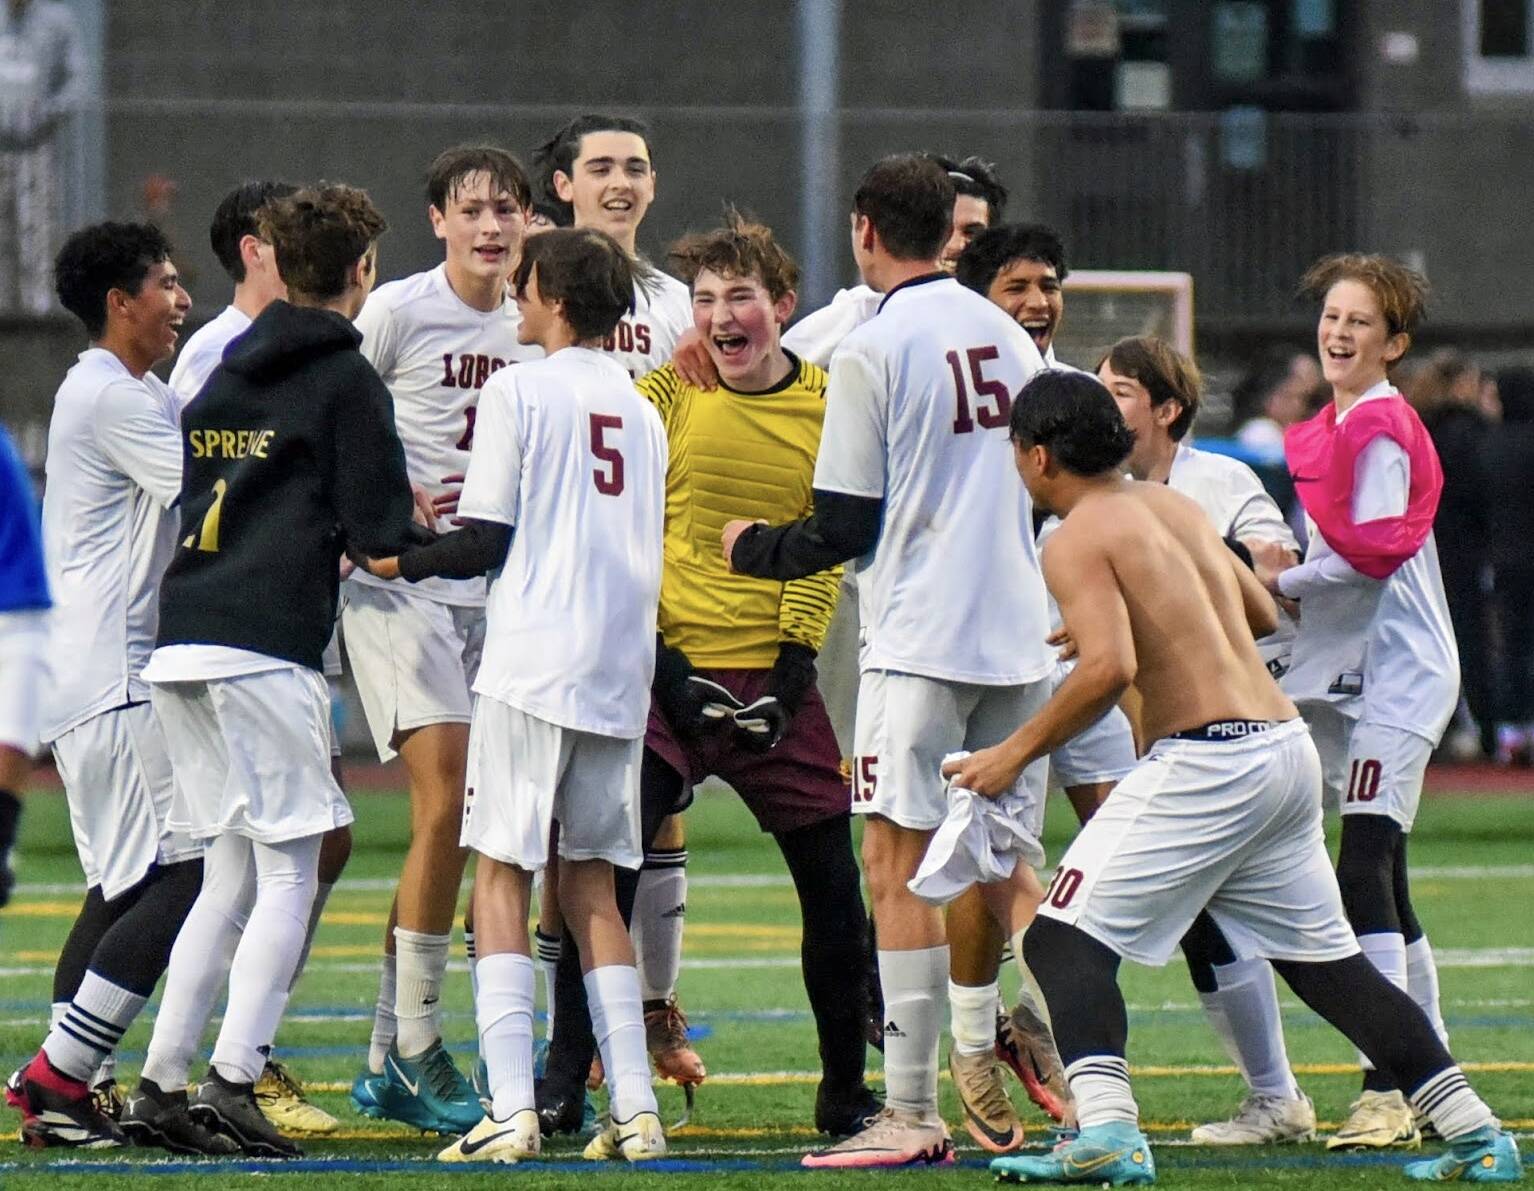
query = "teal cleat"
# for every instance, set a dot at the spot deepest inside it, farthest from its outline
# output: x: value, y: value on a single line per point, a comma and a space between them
x: 427, y: 1092
x: 365, y: 1091
x: 1111, y: 1155
x: 1486, y: 1156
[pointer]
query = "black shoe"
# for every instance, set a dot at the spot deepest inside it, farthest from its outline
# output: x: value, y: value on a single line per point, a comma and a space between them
x: 222, y: 1106
x: 843, y: 1112
x: 152, y: 1117
x: 57, y: 1110
x: 560, y: 1110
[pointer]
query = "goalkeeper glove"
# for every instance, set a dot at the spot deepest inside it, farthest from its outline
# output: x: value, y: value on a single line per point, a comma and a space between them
x: 690, y: 703
x: 761, y: 724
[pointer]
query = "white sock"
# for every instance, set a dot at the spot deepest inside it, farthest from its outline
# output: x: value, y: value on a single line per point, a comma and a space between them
x: 1387, y: 952
x: 267, y: 956
x: 972, y: 1017
x: 421, y: 961
x: 503, y: 1009
x: 1244, y: 1013
x: 384, y: 1025
x: 56, y: 1013
x: 1422, y: 984
x: 92, y: 1025
x: 660, y: 912
x: 915, y: 984
x: 1449, y: 1102
x: 617, y: 1020
x: 1100, y: 1087
x: 547, y: 948
x: 322, y: 893
x: 471, y: 954
x: 106, y: 1071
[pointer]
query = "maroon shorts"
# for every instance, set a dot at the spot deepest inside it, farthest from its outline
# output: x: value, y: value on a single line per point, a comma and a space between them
x: 797, y: 783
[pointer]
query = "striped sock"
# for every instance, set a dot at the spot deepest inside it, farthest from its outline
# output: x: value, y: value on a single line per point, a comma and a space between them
x: 546, y: 950
x: 91, y: 1027
x: 1100, y: 1087
x: 1448, y: 1100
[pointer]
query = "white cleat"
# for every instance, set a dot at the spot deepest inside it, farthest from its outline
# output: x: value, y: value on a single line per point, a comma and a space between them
x: 890, y: 1139
x: 639, y: 1139
x: 1377, y: 1120
x: 511, y: 1140
x: 1262, y: 1120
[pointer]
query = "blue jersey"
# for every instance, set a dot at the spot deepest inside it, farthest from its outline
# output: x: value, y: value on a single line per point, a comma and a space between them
x: 23, y: 578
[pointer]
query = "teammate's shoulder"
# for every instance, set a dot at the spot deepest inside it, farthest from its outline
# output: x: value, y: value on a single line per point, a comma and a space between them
x: 393, y: 296
x: 810, y: 378
x: 663, y: 384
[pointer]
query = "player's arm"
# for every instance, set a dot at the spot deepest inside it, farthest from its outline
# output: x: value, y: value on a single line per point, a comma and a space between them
x: 373, y: 500
x: 1092, y: 606
x: 133, y: 432
x: 1256, y: 603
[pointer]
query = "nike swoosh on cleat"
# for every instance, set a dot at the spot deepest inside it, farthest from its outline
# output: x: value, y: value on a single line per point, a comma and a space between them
x: 469, y: 1147
x: 1072, y: 1166
x: 413, y: 1088
x: 1000, y: 1139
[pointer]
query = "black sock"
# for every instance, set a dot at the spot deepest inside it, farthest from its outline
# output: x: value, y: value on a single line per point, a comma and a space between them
x: 134, y: 951
x: 1411, y: 929
x: 1366, y: 873
x: 1206, y: 948
x: 832, y: 953
x: 1079, y: 979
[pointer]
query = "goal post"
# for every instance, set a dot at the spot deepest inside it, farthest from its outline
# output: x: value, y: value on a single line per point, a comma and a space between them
x: 1105, y: 305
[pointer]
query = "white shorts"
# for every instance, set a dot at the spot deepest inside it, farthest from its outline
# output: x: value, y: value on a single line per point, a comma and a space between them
x: 117, y: 780
x: 1234, y: 826
x: 907, y: 724
x: 414, y: 659
x: 251, y: 755
x: 526, y: 774
x: 23, y: 672
x: 1369, y: 768
x: 1103, y: 752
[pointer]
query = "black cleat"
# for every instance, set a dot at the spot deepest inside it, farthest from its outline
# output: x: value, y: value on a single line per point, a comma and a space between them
x: 230, y: 1109
x: 560, y: 1110
x: 57, y: 1110
x: 151, y: 1117
x: 841, y: 1112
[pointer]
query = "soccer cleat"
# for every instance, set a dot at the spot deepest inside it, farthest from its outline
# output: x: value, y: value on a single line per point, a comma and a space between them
x: 1377, y: 1120
x: 57, y: 1110
x: 1262, y: 1120
x: 890, y: 1139
x: 1024, y: 1043
x: 511, y: 1140
x: 665, y: 1029
x: 1486, y: 1156
x: 152, y: 1117
x: 1113, y: 1155
x: 841, y: 1113
x: 281, y: 1099
x: 108, y: 1096
x: 223, y: 1106
x: 595, y: 1076
x: 639, y: 1139
x: 427, y: 1092
x: 988, y: 1114
x: 365, y: 1092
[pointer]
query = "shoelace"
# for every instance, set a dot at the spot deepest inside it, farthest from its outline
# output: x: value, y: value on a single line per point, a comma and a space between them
x: 283, y: 1079
x: 671, y: 1026
x: 442, y: 1077
x: 992, y: 1099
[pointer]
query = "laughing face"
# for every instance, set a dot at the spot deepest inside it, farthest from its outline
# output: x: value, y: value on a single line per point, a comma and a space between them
x: 611, y: 184
x: 154, y: 315
x: 740, y: 324
x: 1030, y: 292
x: 483, y: 231
x: 1353, y: 339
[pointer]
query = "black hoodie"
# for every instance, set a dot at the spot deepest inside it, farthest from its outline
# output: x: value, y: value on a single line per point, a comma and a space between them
x: 289, y: 453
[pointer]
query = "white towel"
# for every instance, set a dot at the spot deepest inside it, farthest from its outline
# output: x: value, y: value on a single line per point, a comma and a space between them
x: 979, y: 841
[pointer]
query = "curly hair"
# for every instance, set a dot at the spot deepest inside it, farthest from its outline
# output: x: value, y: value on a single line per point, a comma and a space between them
x: 100, y: 258
x: 318, y: 234
x: 1401, y: 292
x: 741, y: 248
x: 997, y: 247
x: 1166, y: 373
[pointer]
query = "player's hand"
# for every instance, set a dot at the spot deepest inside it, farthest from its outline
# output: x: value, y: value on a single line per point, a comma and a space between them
x: 692, y: 361
x: 1269, y: 561
x: 990, y: 772
x: 379, y: 568
x: 761, y: 724
x: 446, y: 504
x: 731, y: 535
x: 347, y: 567
x: 422, y: 514
x: 1062, y: 640
x: 1292, y: 607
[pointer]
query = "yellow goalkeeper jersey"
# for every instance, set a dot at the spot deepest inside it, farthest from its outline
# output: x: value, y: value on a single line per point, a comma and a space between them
x: 738, y: 455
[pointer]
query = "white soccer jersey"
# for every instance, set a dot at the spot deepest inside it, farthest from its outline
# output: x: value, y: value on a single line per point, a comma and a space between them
x: 569, y: 454
x: 109, y: 529
x: 1383, y: 650
x: 817, y: 335
x: 646, y: 338
x: 1237, y: 504
x: 917, y: 411
x: 204, y: 352
x: 435, y: 352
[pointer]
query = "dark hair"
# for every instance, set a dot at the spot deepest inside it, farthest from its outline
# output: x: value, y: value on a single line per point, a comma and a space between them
x: 101, y: 258
x: 585, y: 269
x: 235, y: 218
x: 1401, y: 292
x: 1166, y: 373
x: 977, y: 178
x: 997, y: 247
x: 908, y: 197
x: 1515, y: 390
x: 1075, y: 417
x: 1267, y: 372
x: 741, y: 248
x: 558, y: 153
x: 556, y: 213
x: 454, y: 166
x: 318, y: 234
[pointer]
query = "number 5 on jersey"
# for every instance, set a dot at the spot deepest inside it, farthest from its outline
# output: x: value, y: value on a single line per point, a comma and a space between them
x: 608, y: 480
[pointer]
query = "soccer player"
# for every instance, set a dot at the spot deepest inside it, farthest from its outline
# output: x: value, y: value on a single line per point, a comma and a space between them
x: 289, y: 453
x: 600, y: 169
x: 1375, y: 666
x: 1157, y: 390
x: 565, y: 499
x: 114, y: 475
x: 435, y: 338
x: 1230, y: 755
x: 252, y: 266
x: 24, y: 604
x: 907, y: 482
x: 1020, y: 267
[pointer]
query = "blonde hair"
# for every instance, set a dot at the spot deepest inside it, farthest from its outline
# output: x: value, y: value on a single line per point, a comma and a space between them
x: 1400, y: 291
